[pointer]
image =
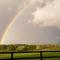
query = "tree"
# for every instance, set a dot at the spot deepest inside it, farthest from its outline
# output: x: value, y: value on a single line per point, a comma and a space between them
x: 12, y: 47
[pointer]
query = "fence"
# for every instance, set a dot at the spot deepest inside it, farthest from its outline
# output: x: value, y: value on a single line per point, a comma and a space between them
x: 41, y: 57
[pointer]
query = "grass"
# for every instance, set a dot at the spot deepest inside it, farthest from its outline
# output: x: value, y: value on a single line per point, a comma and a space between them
x: 26, y: 55
x: 47, y: 54
x: 16, y: 48
x: 5, y: 56
x: 50, y: 54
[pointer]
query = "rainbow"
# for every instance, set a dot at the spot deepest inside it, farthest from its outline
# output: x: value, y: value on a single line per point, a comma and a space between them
x: 12, y: 22
x: 10, y: 25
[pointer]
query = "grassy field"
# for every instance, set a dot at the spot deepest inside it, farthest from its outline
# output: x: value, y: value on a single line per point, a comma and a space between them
x: 19, y: 48
x: 26, y: 55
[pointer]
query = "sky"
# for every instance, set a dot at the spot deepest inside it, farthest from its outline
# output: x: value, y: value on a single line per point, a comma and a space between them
x: 30, y: 22
x: 8, y: 9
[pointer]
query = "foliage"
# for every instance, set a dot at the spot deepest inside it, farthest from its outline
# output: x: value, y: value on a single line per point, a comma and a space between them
x: 24, y: 47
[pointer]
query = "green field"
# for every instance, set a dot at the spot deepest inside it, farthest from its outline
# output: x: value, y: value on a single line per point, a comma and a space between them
x: 26, y: 55
x: 19, y: 48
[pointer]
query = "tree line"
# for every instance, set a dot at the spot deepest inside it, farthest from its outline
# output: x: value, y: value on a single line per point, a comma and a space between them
x: 25, y: 47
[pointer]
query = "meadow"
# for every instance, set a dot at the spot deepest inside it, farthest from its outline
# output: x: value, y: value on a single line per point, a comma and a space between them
x: 31, y: 55
x: 19, y: 48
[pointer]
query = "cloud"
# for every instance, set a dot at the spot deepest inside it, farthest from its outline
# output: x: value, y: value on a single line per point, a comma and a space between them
x: 8, y: 9
x: 47, y: 16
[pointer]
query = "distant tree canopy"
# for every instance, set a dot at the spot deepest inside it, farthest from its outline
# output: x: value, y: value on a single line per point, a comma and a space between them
x: 23, y: 47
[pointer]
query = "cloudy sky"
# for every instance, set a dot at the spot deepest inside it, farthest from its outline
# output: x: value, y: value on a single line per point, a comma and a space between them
x: 8, y: 9
x: 30, y: 21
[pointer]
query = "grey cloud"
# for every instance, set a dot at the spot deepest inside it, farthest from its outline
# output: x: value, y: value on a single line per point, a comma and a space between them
x: 28, y: 33
x: 8, y: 9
